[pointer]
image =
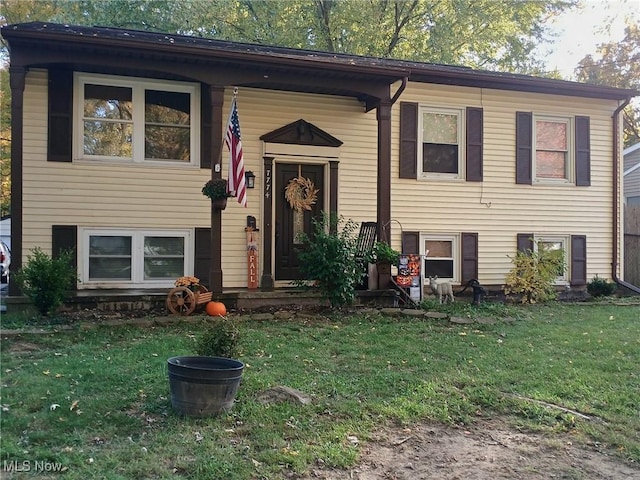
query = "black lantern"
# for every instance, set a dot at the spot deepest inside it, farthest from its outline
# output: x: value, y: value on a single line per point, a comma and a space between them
x: 250, y: 179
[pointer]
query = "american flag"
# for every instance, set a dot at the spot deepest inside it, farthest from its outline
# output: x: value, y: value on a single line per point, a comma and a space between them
x: 236, y: 183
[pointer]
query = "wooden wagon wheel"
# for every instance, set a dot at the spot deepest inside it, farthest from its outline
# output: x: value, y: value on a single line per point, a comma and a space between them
x: 181, y: 301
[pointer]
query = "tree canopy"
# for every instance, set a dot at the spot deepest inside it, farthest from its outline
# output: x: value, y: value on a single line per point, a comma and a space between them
x: 618, y: 64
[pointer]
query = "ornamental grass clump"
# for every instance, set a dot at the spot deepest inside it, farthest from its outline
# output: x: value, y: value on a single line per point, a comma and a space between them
x: 220, y: 339
x: 534, y: 274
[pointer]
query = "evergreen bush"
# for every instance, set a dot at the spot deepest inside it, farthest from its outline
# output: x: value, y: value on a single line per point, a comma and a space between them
x: 46, y: 280
x: 599, y: 287
x: 220, y: 339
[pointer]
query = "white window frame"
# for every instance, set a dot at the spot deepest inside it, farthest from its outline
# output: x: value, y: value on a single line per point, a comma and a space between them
x: 455, y: 251
x: 565, y: 240
x: 137, y: 254
x: 460, y: 113
x: 570, y: 159
x: 138, y: 86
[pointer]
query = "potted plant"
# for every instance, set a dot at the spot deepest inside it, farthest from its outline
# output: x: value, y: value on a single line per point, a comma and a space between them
x: 384, y: 256
x: 206, y: 384
x: 216, y: 190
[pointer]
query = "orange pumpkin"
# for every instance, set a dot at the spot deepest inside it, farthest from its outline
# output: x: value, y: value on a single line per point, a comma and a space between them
x: 216, y: 309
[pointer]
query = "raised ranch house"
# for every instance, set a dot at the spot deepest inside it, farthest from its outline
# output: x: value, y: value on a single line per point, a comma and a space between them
x: 115, y: 132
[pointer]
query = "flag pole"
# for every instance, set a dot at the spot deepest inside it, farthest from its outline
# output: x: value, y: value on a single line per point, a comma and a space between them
x: 218, y: 164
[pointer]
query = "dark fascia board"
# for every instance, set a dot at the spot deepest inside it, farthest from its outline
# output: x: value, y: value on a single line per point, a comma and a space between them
x: 389, y: 70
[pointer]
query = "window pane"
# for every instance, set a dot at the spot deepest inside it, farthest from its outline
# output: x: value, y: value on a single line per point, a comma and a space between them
x: 440, y: 128
x: 163, y: 257
x: 108, y: 138
x: 551, y: 165
x: 164, y: 246
x: 441, y: 268
x: 102, y: 101
x: 101, y: 268
x: 109, y: 257
x: 439, y: 248
x: 170, y: 108
x: 155, y: 268
x: 551, y: 135
x: 109, y: 245
x: 167, y: 143
x: 167, y: 125
x: 439, y: 158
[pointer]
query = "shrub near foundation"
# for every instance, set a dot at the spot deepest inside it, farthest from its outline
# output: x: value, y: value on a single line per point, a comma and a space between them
x: 46, y: 280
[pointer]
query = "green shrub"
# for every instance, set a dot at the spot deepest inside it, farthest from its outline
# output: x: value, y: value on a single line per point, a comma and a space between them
x: 46, y: 280
x: 599, y: 287
x: 382, y: 252
x: 533, y: 274
x: 331, y: 259
x: 220, y: 339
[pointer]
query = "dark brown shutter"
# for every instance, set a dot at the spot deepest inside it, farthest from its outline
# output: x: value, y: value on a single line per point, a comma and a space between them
x: 202, y: 255
x: 411, y: 242
x: 205, y: 128
x: 60, y: 122
x: 474, y: 144
x: 525, y: 242
x: 408, y: 140
x: 583, y: 152
x: 65, y: 237
x: 524, y: 147
x: 578, y: 260
x: 469, y: 256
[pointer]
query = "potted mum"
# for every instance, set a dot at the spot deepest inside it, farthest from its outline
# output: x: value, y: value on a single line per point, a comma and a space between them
x: 384, y: 256
x: 216, y: 190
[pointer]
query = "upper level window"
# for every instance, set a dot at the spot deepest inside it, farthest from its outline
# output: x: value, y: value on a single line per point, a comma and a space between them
x: 552, y: 160
x: 441, y: 153
x: 136, y: 120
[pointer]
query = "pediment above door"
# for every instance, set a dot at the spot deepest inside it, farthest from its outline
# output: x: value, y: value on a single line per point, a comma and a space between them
x: 301, y: 132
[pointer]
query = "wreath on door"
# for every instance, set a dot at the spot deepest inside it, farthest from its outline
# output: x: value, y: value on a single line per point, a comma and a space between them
x: 301, y: 193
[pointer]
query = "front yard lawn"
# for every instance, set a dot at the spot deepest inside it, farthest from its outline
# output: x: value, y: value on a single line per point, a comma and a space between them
x: 95, y: 403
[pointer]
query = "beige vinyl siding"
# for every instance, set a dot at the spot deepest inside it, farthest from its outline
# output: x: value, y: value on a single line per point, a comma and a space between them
x: 497, y: 209
x: 93, y: 194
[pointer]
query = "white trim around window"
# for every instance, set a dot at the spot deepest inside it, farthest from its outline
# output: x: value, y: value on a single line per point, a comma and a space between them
x: 443, y: 256
x: 557, y: 241
x: 132, y: 126
x: 446, y: 143
x: 130, y: 258
x: 547, y: 171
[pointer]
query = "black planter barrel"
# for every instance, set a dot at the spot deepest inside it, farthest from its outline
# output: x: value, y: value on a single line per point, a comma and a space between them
x: 203, y: 386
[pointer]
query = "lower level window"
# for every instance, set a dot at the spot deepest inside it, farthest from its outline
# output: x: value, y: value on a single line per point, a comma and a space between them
x: 135, y: 257
x: 441, y: 256
x: 555, y: 246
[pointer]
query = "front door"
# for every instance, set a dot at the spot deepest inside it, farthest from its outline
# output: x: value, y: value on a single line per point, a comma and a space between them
x: 290, y: 222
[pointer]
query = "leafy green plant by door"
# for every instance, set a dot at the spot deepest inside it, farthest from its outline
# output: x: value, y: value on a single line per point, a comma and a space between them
x: 534, y: 273
x: 330, y: 258
x: 46, y: 280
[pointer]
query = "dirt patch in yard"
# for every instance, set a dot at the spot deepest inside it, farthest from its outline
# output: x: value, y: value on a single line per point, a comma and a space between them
x: 488, y: 450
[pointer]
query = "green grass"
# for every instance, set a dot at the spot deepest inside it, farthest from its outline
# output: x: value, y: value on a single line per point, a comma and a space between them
x: 361, y: 371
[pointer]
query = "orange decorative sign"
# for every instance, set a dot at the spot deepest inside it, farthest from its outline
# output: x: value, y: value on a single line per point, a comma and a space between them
x: 252, y: 258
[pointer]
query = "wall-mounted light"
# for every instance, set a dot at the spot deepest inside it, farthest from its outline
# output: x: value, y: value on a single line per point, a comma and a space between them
x: 250, y: 179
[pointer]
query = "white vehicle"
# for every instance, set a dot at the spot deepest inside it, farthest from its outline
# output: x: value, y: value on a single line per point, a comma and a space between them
x: 5, y: 261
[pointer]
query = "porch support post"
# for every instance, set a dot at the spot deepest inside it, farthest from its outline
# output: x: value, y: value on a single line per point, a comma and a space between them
x: 383, y: 212
x: 266, y: 281
x: 16, y: 81
x: 333, y: 191
x: 215, y: 268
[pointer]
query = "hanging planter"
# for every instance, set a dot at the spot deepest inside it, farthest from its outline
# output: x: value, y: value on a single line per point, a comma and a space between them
x: 216, y: 190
